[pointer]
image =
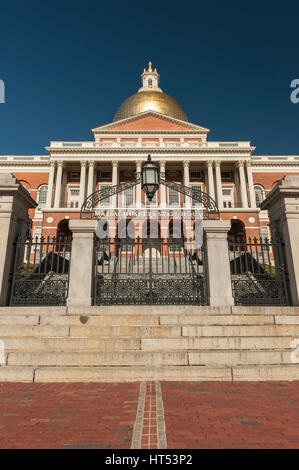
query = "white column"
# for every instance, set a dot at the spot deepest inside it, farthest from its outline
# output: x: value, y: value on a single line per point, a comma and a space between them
x: 243, y: 189
x: 250, y: 185
x: 138, y: 187
x: 50, y: 185
x: 82, y: 182
x: 90, y: 187
x: 219, y: 184
x: 237, y: 186
x: 58, y: 185
x: 186, y: 165
x: 162, y: 187
x: 211, y: 190
x: 115, y: 165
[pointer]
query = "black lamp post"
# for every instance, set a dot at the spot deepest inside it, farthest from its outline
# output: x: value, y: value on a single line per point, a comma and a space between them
x: 149, y: 178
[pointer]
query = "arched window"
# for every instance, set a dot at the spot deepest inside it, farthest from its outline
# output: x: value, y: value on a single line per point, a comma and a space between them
x: 42, y: 195
x: 150, y: 82
x: 259, y: 195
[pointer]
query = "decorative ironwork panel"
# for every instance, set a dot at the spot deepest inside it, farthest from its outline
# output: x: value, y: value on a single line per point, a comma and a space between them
x: 258, y: 272
x: 41, y: 271
x: 148, y: 272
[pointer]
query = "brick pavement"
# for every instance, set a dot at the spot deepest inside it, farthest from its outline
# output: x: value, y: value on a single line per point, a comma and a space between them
x: 237, y: 415
x: 67, y: 415
x: 150, y: 415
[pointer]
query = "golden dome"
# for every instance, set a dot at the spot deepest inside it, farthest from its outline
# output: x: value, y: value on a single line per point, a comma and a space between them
x: 150, y: 98
x: 150, y: 101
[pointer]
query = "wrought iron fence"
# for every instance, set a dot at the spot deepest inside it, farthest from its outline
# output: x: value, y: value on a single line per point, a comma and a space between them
x: 148, y: 271
x: 258, y: 271
x: 41, y: 271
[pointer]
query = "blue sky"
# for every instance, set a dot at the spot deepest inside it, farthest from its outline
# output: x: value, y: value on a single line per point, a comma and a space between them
x: 68, y: 65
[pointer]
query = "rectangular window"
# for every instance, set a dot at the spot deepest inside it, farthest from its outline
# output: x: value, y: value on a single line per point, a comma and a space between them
x: 75, y: 175
x: 265, y: 236
x: 173, y: 197
x: 106, y: 175
x: 107, y: 201
x: 197, y: 188
x: 228, y: 197
x: 37, y: 233
x: 73, y: 196
x: 195, y: 175
x: 226, y: 175
x: 128, y: 197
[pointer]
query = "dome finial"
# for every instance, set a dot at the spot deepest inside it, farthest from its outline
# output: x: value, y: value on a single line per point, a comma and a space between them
x: 149, y: 67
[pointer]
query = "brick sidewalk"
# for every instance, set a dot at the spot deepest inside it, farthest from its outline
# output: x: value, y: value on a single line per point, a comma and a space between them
x: 67, y: 415
x: 150, y: 415
x: 231, y: 415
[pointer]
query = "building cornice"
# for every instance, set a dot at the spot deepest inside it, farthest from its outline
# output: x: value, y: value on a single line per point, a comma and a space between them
x: 153, y: 150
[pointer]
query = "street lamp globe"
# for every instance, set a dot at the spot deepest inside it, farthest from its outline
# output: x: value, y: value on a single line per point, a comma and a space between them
x: 149, y: 178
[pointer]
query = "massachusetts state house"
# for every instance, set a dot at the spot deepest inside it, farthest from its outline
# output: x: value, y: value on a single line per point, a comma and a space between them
x: 149, y: 122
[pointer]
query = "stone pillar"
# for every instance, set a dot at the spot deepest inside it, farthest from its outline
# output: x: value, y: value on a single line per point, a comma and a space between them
x: 219, y: 184
x: 283, y: 207
x: 50, y: 185
x: 115, y: 165
x: 90, y: 187
x: 138, y: 187
x: 82, y: 263
x: 211, y: 190
x: 82, y: 182
x: 58, y: 184
x: 216, y: 263
x: 15, y: 201
x: 186, y: 165
x: 243, y: 189
x: 250, y: 185
x: 162, y: 187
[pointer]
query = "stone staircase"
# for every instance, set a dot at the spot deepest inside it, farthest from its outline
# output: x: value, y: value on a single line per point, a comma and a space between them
x: 137, y: 343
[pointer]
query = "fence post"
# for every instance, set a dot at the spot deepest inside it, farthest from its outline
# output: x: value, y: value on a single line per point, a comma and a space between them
x: 15, y: 201
x: 81, y: 271
x: 217, y: 265
x: 283, y: 207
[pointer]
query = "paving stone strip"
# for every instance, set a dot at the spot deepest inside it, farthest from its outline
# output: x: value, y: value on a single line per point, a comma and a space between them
x: 149, y: 428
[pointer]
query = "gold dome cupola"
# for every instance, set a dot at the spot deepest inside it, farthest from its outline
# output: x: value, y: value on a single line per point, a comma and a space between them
x: 150, y: 80
x: 150, y: 98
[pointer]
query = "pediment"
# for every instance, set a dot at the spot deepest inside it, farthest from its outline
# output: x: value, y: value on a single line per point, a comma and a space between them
x: 150, y: 121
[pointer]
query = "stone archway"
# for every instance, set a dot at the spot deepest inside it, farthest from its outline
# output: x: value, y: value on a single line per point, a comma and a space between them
x: 237, y: 231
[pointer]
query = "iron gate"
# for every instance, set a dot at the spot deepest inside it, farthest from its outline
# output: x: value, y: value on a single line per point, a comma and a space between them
x: 41, y: 271
x: 258, y: 272
x: 148, y: 271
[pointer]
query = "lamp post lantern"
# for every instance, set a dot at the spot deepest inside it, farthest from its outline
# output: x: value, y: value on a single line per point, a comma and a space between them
x: 150, y: 178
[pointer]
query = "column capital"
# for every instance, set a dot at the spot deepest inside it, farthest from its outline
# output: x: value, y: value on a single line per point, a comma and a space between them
x: 162, y: 163
x: 239, y: 164
x: 115, y: 163
x: 186, y: 163
x: 52, y: 163
x: 60, y: 163
x: 91, y: 163
x: 138, y: 163
x: 217, y: 163
x: 209, y: 164
x: 83, y: 163
x: 248, y: 163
